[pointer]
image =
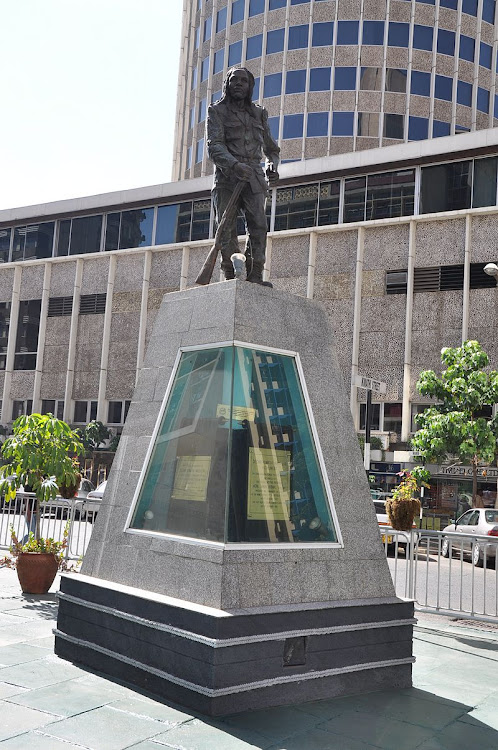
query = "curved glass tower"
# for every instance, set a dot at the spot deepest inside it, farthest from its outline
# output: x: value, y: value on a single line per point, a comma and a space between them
x: 340, y: 75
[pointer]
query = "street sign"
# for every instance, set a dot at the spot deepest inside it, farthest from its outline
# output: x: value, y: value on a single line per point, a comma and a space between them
x: 370, y: 384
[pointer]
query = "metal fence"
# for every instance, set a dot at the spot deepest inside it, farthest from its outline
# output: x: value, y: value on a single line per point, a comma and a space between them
x: 434, y: 569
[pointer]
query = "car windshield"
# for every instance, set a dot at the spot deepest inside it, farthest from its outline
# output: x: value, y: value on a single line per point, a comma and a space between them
x: 491, y: 516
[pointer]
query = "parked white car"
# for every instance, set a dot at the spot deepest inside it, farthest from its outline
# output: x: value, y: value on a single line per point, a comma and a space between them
x: 90, y: 505
x: 476, y: 521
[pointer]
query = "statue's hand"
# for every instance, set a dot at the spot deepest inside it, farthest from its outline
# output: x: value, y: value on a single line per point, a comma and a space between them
x: 271, y: 174
x: 243, y: 171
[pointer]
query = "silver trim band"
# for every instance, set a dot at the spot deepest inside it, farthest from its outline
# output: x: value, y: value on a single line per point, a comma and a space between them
x: 219, y: 692
x: 215, y: 643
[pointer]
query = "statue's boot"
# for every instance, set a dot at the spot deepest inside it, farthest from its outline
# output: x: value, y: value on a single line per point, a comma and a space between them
x: 256, y: 277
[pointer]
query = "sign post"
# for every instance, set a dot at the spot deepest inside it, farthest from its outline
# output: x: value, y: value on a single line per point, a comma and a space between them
x: 377, y: 386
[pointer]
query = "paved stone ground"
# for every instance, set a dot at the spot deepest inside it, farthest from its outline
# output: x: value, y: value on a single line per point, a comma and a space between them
x: 49, y: 704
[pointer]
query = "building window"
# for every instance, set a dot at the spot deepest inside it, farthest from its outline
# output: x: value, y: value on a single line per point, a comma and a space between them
x: 234, y: 54
x: 293, y: 126
x: 274, y: 125
x: 368, y: 124
x: 344, y: 79
x: 255, y: 91
x: 275, y: 41
x: 202, y: 110
x: 469, y: 7
x: 328, y: 207
x: 238, y: 11
x: 318, y: 124
x: 189, y: 158
x: 440, y: 129
x: 59, y: 307
x: 482, y: 100
x: 218, y: 59
x: 443, y: 88
x: 53, y: 406
x: 354, y: 199
x: 394, y: 126
x: 396, y: 80
x: 423, y: 37
x: 485, y: 55
x: 373, y: 32
x: 446, y: 187
x: 446, y: 42
x: 464, y: 93
x: 85, y: 412
x: 254, y: 46
x: 256, y: 7
x: 467, y: 48
x: 374, y: 419
x: 33, y: 241
x: 221, y: 19
x: 320, y: 79
x: 421, y: 83
x: 484, y: 183
x: 272, y: 85
x: 488, y: 11
x: 199, y: 150
x: 28, y: 326
x: 416, y: 409
x: 392, y: 419
x: 194, y: 78
x: 417, y: 128
x: 347, y: 32
x: 117, y: 412
x: 208, y: 23
x: 197, y: 38
x: 398, y: 34
x: 182, y: 222
x: 4, y: 332
x: 20, y: 408
x: 296, y: 207
x: 5, y: 235
x: 275, y: 4
x: 323, y: 34
x: 295, y: 82
x: 205, y: 69
x: 298, y: 36
x: 128, y: 229
x: 371, y: 79
x: 342, y: 123
x: 390, y: 194
x: 80, y: 235
x: 451, y: 4
x: 92, y: 304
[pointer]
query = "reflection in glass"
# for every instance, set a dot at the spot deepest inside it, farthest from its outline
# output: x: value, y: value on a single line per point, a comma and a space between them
x: 200, y: 219
x: 296, y: 207
x: 368, y: 123
x: 85, y: 235
x: 396, y: 80
x: 4, y: 245
x: 484, y: 191
x: 328, y: 211
x: 28, y: 326
x: 4, y: 332
x: 234, y: 459
x: 33, y: 241
x: 371, y: 79
x: 136, y: 228
x: 446, y: 187
x: 394, y: 126
x: 390, y: 194
x: 354, y: 199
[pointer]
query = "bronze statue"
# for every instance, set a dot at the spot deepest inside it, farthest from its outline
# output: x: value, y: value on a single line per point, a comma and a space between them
x: 237, y: 135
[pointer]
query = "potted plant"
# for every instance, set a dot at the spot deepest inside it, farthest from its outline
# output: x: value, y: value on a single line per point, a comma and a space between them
x: 402, y: 508
x: 37, y: 561
x: 40, y: 454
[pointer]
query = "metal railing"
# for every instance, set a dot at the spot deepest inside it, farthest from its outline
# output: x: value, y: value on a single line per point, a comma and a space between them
x: 54, y: 516
x: 436, y: 569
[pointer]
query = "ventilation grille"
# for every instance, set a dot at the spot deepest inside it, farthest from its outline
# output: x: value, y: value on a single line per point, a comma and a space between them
x: 396, y: 282
x: 439, y: 279
x: 92, y: 304
x: 58, y: 306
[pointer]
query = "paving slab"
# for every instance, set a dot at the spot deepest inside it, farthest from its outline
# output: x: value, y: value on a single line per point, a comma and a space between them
x: 19, y: 653
x: 36, y: 741
x: 207, y: 735
x: 17, y: 719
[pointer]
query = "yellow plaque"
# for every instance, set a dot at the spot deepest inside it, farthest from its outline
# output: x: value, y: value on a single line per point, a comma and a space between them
x: 268, y: 494
x: 191, y: 478
x: 238, y: 412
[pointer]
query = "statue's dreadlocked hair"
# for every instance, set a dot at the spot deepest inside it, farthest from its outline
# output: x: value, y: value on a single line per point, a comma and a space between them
x: 230, y: 71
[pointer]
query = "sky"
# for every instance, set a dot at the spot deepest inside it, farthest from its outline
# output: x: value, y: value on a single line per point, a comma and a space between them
x: 88, y: 96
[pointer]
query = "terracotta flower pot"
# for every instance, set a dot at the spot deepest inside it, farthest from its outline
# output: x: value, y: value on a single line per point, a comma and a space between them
x: 36, y: 571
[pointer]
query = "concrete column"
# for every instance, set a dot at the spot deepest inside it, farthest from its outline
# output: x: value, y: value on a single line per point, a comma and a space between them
x: 41, y: 338
x: 11, y: 346
x: 104, y: 359
x: 144, y: 309
x: 466, y: 278
x: 184, y: 269
x: 407, y: 363
x: 357, y: 323
x: 73, y: 334
x: 311, y: 265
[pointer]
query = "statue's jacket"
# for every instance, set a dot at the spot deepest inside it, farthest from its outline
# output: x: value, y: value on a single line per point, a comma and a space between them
x: 239, y: 135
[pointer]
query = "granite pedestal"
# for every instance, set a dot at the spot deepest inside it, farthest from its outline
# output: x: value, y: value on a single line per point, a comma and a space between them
x: 224, y: 627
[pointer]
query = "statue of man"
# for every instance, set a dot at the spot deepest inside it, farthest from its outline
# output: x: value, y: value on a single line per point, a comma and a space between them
x: 237, y: 135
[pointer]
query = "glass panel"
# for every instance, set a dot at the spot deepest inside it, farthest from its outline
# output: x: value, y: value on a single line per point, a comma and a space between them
x: 208, y: 22
x: 27, y: 334
x: 368, y: 124
x: 392, y: 419
x: 354, y: 199
x: 4, y: 245
x: 184, y: 490
x: 114, y: 412
x: 238, y: 11
x: 374, y: 419
x: 136, y: 228
x: 342, y: 123
x: 219, y: 57
x: 398, y: 34
x: 298, y: 36
x: 112, y: 231
x: 422, y: 37
x: 390, y: 194
x: 371, y: 79
x: 443, y: 88
x: 467, y: 48
x: 171, y: 223
x: 464, y: 93
x: 48, y: 406
x: 328, y: 211
x: 293, y: 126
x: 446, y: 187
x: 200, y: 219
x: 446, y: 42
x: 64, y: 235
x: 394, y: 126
x: 469, y: 7
x: 221, y: 19
x: 277, y: 493
x: 234, y: 54
x: 440, y: 129
x: 323, y: 34
x: 484, y: 193
x: 418, y: 128
x: 488, y: 11
x: 486, y: 52
x: 482, y: 100
x: 345, y: 79
x: 373, y: 32
x: 347, y: 32
x: 318, y: 124
x: 320, y: 79
x: 39, y: 240
x: 256, y: 7
x: 80, y: 411
x: 272, y: 85
x: 295, y: 81
x: 421, y: 83
x: 18, y: 243
x: 204, y: 69
x: 249, y: 405
x: 4, y: 332
x: 85, y: 235
x: 296, y: 207
x: 274, y: 4
x: 93, y: 410
x: 396, y: 80
x: 275, y: 41
x: 254, y: 46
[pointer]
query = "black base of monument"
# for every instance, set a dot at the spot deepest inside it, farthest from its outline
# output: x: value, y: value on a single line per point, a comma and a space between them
x: 224, y: 662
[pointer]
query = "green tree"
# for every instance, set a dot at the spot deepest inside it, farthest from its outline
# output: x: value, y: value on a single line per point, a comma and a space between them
x: 40, y: 454
x: 454, y: 426
x: 93, y: 435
